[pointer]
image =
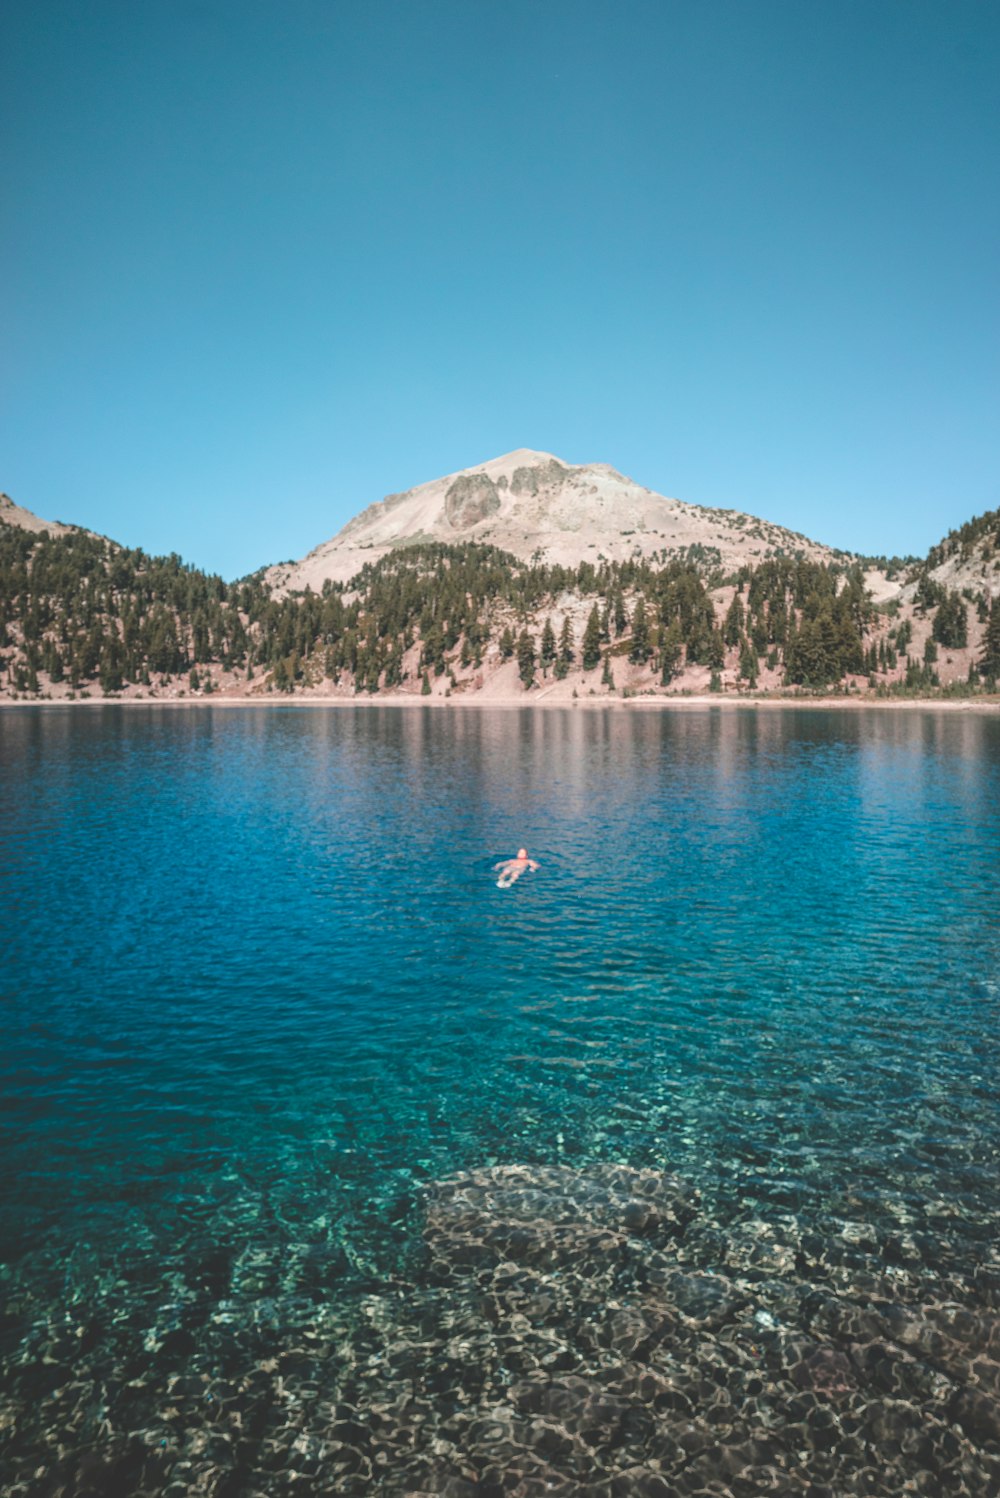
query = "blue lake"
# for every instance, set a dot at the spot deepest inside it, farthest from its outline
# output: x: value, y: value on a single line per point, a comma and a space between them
x: 328, y: 1166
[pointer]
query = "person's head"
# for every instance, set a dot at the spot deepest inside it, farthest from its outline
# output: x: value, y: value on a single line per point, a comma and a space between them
x: 522, y: 852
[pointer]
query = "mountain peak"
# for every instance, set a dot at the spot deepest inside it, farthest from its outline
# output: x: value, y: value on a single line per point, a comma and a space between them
x: 26, y: 520
x: 534, y: 504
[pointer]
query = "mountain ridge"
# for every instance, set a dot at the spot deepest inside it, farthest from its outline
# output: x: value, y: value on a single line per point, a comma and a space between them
x: 538, y: 506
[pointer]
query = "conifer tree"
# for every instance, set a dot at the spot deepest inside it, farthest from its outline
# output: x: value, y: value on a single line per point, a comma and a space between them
x: 759, y: 631
x: 990, y: 662
x: 110, y: 667
x: 641, y: 649
x: 951, y: 622
x: 526, y: 658
x: 749, y: 663
x: 592, y: 640
x: 564, y: 659
x: 394, y: 666
x: 733, y: 626
x: 670, y: 652
x: 547, y: 650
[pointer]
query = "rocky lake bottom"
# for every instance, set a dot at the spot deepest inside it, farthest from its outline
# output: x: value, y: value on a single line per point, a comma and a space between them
x: 330, y: 1168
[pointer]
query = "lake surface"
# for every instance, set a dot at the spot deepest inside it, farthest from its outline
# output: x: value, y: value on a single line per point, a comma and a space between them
x: 330, y: 1167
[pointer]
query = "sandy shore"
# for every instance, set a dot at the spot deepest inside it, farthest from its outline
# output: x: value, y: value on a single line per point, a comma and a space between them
x: 979, y: 705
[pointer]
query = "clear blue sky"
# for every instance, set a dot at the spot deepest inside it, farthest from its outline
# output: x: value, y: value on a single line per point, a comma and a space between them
x: 263, y: 263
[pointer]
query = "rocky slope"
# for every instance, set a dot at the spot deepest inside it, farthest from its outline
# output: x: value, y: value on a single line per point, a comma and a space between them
x: 537, y: 506
x: 967, y: 558
x: 12, y: 514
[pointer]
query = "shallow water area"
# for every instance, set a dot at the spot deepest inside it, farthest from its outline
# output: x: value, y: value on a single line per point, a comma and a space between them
x: 328, y: 1166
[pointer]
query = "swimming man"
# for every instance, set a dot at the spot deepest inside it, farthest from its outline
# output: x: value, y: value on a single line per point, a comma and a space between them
x: 512, y: 868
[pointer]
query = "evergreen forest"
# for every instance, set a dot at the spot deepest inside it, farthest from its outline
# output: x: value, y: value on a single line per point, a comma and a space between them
x: 80, y: 615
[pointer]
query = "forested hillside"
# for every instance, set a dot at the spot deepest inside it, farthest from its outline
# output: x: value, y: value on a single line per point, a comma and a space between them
x: 82, y: 616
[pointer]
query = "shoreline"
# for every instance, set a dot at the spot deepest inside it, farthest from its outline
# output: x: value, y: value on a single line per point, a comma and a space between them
x: 978, y: 705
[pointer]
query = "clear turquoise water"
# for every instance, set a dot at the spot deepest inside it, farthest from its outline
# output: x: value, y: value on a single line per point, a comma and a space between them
x: 260, y: 993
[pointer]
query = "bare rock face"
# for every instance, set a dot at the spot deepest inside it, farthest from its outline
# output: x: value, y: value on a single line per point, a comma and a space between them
x: 533, y: 505
x: 13, y: 514
x: 372, y: 513
x: 529, y: 480
x: 470, y: 499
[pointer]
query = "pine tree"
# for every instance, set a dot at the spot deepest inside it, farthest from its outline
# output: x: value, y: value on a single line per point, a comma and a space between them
x: 733, y: 627
x: 759, y: 631
x: 990, y: 660
x: 670, y: 652
x: 548, y: 646
x: 506, y: 644
x: 433, y: 650
x: 110, y: 669
x: 592, y: 640
x: 565, y: 658
x: 777, y: 622
x: 641, y: 650
x: 526, y: 658
x: 951, y: 622
x: 394, y: 666
x: 607, y: 678
x: 749, y: 663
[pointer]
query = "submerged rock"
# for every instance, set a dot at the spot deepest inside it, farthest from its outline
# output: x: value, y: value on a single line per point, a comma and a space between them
x: 583, y: 1332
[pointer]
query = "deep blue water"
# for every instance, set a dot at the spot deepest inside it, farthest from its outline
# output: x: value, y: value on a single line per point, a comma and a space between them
x: 260, y: 991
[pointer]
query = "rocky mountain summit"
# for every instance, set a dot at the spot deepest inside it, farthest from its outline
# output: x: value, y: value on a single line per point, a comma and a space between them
x: 25, y: 520
x: 538, y: 507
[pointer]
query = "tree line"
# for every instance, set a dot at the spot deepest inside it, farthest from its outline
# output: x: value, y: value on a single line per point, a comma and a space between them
x: 78, y: 609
